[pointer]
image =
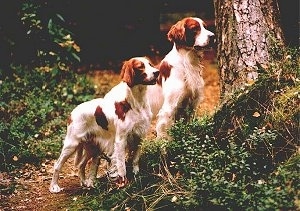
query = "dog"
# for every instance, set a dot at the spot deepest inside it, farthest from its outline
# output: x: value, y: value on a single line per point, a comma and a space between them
x: 180, y: 85
x: 110, y: 125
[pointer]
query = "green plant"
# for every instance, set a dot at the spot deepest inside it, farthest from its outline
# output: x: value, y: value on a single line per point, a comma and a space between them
x: 35, y: 111
x: 36, y: 98
x: 30, y: 17
x: 196, y: 172
x: 270, y: 103
x: 56, y: 49
x: 153, y: 152
x: 63, y: 38
x: 227, y: 176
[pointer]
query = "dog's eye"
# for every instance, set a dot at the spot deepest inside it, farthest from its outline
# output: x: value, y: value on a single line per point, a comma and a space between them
x: 195, y: 28
x: 140, y: 66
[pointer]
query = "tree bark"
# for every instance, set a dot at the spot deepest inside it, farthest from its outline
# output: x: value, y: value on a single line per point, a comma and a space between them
x: 245, y: 32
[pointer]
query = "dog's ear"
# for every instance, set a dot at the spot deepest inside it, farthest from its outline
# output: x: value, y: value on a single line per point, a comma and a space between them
x: 192, y: 27
x: 183, y: 32
x: 176, y: 32
x: 127, y: 72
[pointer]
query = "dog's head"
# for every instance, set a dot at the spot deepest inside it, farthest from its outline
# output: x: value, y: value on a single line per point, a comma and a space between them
x: 190, y: 32
x: 139, y: 70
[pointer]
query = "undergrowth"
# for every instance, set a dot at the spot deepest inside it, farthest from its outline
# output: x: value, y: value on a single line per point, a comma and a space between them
x: 244, y: 157
x: 196, y: 172
x: 35, y: 108
x: 36, y: 98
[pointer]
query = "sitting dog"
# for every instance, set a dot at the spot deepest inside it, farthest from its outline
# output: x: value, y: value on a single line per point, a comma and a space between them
x: 110, y: 125
x: 180, y: 84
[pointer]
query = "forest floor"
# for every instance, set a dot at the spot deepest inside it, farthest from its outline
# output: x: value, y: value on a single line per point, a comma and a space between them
x: 31, y: 183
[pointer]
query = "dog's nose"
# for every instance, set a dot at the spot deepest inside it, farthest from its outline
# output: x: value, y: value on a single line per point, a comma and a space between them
x: 211, y: 34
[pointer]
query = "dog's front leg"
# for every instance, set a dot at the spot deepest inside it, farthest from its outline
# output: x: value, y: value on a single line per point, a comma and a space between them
x: 135, y: 161
x: 165, y: 118
x: 117, y: 171
x: 136, y: 154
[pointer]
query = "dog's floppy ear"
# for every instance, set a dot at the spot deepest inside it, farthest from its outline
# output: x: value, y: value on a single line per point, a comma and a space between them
x: 183, y: 32
x: 176, y: 32
x: 127, y: 72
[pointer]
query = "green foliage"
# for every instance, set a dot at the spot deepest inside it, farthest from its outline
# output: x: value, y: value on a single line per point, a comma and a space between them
x: 153, y: 153
x: 35, y: 101
x: 243, y: 158
x: 30, y: 17
x: 35, y: 109
x: 272, y: 102
x: 63, y: 38
x: 147, y: 192
x: 197, y: 172
x: 56, y: 48
x: 227, y: 176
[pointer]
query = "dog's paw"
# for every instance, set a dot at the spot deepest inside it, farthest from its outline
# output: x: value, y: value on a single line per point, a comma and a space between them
x: 114, y: 176
x: 113, y: 173
x: 135, y: 169
x: 55, y: 188
x: 89, y: 183
x: 121, y: 182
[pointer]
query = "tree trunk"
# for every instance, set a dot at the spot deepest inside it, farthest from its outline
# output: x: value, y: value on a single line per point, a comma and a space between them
x: 245, y: 32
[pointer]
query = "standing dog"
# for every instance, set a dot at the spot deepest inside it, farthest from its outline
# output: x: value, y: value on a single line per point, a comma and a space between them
x: 110, y: 125
x: 180, y: 84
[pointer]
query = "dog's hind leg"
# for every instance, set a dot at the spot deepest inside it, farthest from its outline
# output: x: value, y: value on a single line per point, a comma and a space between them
x: 93, y: 171
x: 90, y: 150
x: 82, y: 157
x: 135, y: 151
x: 67, y: 150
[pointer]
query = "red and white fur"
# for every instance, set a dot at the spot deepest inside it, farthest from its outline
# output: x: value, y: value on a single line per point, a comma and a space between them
x: 180, y: 84
x: 111, y: 125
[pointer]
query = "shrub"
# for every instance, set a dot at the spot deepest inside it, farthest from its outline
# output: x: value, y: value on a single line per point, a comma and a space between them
x: 34, y: 112
x: 55, y: 47
x: 227, y: 176
x: 270, y: 103
x: 196, y: 172
x: 36, y: 98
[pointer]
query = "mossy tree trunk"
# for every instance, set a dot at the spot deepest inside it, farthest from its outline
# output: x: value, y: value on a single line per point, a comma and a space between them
x: 245, y: 31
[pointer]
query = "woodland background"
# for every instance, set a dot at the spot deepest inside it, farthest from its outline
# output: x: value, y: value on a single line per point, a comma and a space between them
x: 56, y: 54
x: 110, y: 31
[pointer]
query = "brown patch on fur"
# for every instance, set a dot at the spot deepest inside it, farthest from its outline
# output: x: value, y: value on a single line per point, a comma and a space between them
x: 183, y: 33
x: 128, y: 71
x: 122, y: 108
x: 69, y: 121
x: 164, y: 71
x: 121, y: 182
x: 101, y: 118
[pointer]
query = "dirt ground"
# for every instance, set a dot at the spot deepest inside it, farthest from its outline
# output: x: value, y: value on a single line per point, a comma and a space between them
x: 32, y: 183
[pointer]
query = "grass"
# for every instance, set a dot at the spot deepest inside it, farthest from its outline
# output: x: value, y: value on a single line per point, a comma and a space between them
x: 35, y: 108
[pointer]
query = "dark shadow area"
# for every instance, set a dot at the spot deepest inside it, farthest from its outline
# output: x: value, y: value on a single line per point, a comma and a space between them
x: 111, y: 31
